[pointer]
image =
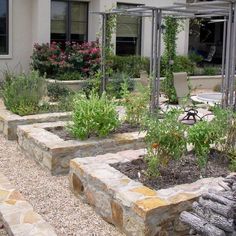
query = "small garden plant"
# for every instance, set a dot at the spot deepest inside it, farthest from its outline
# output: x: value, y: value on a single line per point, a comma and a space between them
x: 93, y: 116
x: 165, y: 140
x: 135, y: 103
x: 22, y: 93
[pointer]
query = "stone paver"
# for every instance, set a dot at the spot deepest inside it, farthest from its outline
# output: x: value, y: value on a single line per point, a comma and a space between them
x: 18, y: 215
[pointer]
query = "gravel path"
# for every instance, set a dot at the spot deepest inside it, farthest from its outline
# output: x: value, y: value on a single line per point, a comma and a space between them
x: 2, y: 230
x: 50, y: 196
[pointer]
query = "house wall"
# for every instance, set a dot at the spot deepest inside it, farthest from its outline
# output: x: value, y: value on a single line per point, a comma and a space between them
x: 31, y: 24
x: 20, y: 45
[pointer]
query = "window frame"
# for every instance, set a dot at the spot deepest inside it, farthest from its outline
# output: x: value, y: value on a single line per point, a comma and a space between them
x: 68, y: 19
x: 140, y: 27
x: 8, y: 55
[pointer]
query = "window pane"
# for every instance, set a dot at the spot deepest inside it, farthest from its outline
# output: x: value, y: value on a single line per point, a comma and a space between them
x: 78, y: 28
x: 3, y: 8
x: 58, y: 18
x: 3, y: 45
x: 79, y: 21
x: 128, y: 33
x: 3, y: 27
x: 58, y: 26
x: 58, y: 21
x: 58, y: 10
x: 79, y: 11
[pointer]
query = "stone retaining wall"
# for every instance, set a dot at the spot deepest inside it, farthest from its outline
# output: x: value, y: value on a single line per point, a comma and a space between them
x: 10, y: 121
x: 130, y: 206
x: 54, y: 153
x: 17, y: 214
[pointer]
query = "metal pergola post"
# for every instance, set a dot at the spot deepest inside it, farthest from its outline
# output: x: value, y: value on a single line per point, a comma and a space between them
x: 223, y: 62
x: 103, y: 61
x: 228, y: 57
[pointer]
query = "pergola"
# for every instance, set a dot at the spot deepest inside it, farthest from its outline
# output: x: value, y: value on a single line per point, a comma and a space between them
x: 225, y: 9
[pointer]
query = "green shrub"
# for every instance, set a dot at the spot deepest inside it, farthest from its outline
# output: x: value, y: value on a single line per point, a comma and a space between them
x: 205, y: 134
x: 131, y: 65
x: 195, y: 58
x: 211, y: 70
x: 202, y: 135
x: 165, y: 140
x: 22, y: 93
x: 183, y: 64
x: 135, y: 103
x: 52, y: 59
x: 56, y: 91
x: 69, y: 76
x: 93, y: 116
x: 114, y: 87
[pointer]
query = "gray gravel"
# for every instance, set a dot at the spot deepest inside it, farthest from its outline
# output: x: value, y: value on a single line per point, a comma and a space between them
x: 50, y: 196
x: 2, y: 230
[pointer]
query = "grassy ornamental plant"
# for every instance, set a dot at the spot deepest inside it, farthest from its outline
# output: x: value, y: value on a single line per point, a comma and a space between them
x: 22, y: 93
x: 93, y: 116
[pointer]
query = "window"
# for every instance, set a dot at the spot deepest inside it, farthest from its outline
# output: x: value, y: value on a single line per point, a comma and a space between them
x: 4, y: 38
x: 69, y: 21
x: 128, y: 34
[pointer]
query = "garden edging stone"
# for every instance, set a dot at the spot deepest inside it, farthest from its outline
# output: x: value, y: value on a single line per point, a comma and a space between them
x: 128, y: 204
x: 10, y: 121
x: 54, y: 153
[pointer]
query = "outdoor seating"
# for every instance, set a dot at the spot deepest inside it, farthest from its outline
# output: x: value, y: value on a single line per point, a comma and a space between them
x: 184, y: 99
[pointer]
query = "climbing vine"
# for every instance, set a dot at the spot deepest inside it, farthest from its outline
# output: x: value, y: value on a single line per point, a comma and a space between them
x: 172, y: 28
x: 110, y: 30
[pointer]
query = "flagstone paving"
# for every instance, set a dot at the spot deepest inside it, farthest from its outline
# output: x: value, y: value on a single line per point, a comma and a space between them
x: 50, y: 196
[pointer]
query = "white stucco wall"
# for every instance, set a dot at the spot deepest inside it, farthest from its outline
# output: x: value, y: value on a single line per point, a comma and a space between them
x: 20, y: 37
x: 31, y: 24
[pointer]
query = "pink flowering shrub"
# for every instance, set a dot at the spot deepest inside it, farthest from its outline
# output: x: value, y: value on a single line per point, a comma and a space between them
x: 53, y: 60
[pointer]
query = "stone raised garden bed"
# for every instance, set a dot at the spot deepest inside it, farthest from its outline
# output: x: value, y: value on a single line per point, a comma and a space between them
x: 128, y: 204
x: 54, y: 153
x: 17, y: 214
x: 10, y: 121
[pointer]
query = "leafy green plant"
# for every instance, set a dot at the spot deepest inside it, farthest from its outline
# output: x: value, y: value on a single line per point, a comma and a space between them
x: 135, y: 103
x: 195, y: 58
x: 93, y: 116
x: 202, y: 135
x: 211, y: 70
x: 70, y: 76
x: 172, y: 27
x: 115, y: 83
x: 53, y: 59
x: 22, y: 93
x: 165, y: 140
x: 56, y: 91
x: 205, y: 134
x: 131, y: 65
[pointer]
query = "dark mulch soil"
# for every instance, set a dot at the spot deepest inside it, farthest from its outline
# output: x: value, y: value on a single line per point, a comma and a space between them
x: 183, y: 171
x: 64, y: 134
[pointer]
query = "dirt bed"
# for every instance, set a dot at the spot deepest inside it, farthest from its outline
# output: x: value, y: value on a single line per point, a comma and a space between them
x: 50, y: 195
x: 64, y: 134
x: 183, y: 171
